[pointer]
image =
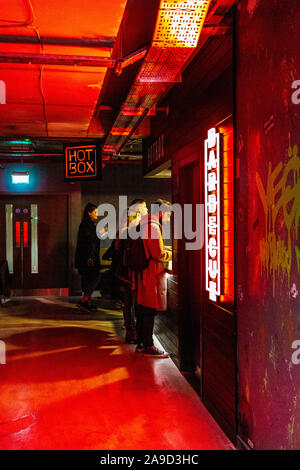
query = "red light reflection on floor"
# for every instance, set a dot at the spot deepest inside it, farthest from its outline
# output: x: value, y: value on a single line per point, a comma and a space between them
x: 70, y: 382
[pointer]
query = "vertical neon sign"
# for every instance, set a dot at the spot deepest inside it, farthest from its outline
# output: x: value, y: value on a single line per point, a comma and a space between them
x: 212, y: 214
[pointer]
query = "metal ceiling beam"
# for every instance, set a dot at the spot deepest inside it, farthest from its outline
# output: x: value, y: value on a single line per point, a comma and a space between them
x: 56, y: 59
x: 34, y: 139
x: 73, y: 60
x: 122, y: 162
x: 26, y: 154
x: 131, y: 59
x: 32, y: 160
x: 101, y: 42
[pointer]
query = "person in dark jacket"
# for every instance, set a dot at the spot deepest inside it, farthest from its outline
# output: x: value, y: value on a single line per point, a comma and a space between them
x: 87, y: 257
x: 4, y: 282
x: 136, y: 210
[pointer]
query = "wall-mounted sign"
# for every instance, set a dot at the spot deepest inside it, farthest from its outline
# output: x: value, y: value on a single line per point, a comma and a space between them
x: 154, y: 155
x: 82, y: 162
x: 20, y: 177
x: 212, y: 214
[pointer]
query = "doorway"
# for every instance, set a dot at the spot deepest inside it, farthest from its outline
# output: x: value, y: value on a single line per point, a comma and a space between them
x: 34, y: 241
x: 207, y: 330
x: 189, y: 275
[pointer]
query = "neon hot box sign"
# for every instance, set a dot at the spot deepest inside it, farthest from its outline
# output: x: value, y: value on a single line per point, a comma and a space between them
x: 83, y: 162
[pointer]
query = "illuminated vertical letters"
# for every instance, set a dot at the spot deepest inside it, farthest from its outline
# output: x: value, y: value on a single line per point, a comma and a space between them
x: 212, y: 214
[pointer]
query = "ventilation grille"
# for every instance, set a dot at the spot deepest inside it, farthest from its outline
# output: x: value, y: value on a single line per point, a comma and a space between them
x: 163, y: 65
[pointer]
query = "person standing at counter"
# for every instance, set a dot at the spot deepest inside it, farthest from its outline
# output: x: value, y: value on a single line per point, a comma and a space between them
x: 87, y: 256
x: 136, y: 210
x: 152, y: 282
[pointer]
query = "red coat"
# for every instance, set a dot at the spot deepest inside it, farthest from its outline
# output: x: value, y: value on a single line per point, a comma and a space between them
x: 152, y: 283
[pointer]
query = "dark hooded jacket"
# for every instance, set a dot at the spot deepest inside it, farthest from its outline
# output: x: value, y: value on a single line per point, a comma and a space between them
x: 152, y: 285
x: 87, y: 254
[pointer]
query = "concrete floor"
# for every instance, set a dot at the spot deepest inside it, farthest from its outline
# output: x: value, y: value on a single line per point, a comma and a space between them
x: 70, y: 382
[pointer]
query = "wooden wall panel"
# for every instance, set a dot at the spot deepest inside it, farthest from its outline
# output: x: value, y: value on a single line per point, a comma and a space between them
x: 202, y: 101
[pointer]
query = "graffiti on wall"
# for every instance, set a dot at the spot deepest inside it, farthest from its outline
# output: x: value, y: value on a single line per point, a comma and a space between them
x: 280, y: 198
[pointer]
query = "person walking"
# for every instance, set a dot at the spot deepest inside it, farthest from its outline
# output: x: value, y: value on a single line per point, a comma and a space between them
x: 87, y: 256
x: 4, y: 282
x: 152, y: 282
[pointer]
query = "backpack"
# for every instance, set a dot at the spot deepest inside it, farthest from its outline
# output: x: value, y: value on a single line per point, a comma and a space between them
x: 134, y: 255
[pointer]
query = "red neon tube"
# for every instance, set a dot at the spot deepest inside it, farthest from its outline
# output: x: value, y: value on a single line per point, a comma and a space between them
x: 25, y: 234
x: 18, y: 234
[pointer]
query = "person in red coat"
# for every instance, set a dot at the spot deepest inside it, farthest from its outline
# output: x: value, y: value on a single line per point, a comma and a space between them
x: 136, y: 210
x: 152, y: 282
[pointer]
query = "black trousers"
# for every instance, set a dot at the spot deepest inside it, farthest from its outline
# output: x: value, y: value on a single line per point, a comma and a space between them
x: 128, y: 308
x: 90, y: 279
x: 144, y: 325
x: 4, y: 279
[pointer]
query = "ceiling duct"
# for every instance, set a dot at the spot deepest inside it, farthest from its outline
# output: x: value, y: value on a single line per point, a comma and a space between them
x: 178, y: 27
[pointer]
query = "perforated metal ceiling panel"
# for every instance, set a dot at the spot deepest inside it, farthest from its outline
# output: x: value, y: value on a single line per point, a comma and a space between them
x: 177, y: 30
x: 179, y: 23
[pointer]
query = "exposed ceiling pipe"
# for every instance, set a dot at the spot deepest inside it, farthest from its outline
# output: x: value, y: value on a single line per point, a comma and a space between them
x: 136, y: 125
x: 131, y: 156
x: 72, y: 60
x: 48, y: 158
x: 100, y: 42
x: 123, y: 162
x: 56, y: 59
x: 130, y: 59
x: 24, y: 154
x: 30, y: 160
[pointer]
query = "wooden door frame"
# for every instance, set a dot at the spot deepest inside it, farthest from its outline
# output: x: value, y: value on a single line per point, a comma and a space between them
x: 187, y: 163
